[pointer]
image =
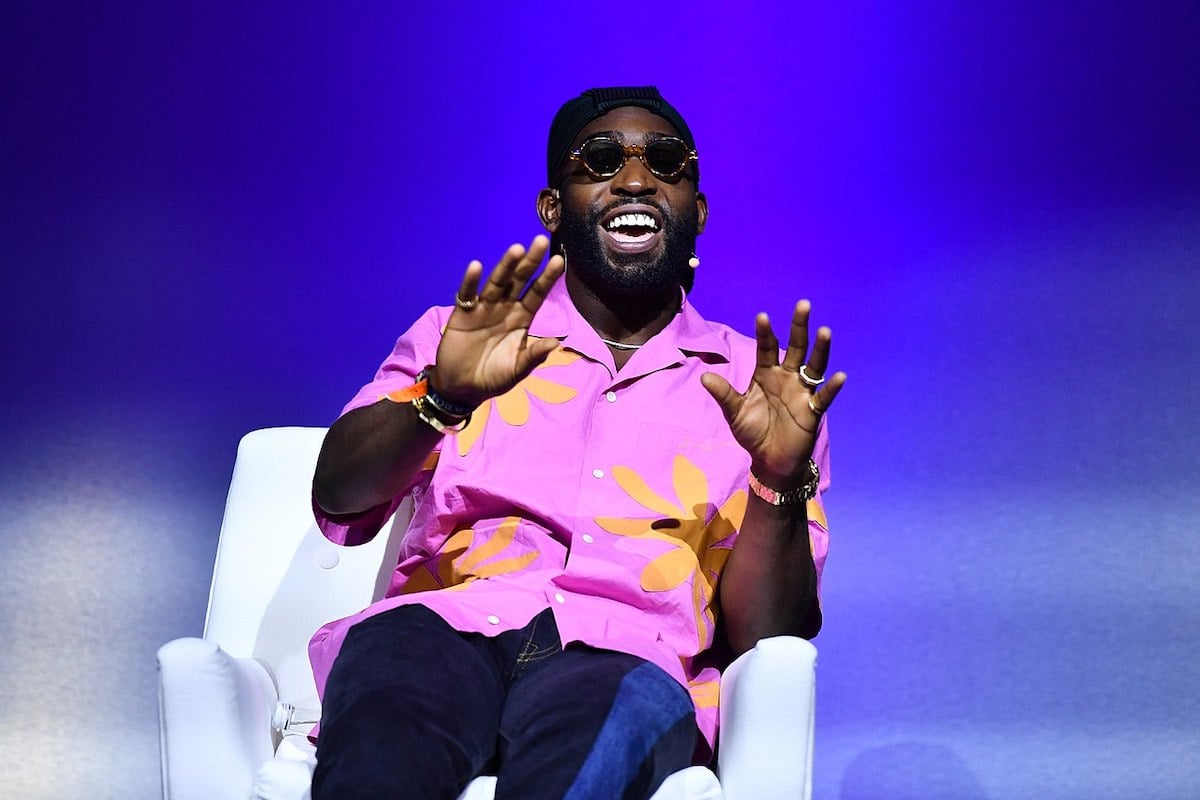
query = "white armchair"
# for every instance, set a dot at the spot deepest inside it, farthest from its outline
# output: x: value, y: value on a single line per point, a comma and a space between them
x: 235, y: 706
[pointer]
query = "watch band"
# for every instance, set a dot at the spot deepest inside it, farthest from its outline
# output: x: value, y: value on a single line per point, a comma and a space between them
x: 432, y: 416
x: 440, y: 402
x: 429, y: 412
x: 792, y: 497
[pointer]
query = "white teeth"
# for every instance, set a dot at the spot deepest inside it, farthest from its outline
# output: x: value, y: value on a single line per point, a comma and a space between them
x: 633, y: 221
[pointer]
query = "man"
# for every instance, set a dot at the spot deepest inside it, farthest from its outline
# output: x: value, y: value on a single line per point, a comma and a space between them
x: 601, y: 520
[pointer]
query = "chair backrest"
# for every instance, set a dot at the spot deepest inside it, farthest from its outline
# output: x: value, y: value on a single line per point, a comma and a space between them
x: 277, y: 579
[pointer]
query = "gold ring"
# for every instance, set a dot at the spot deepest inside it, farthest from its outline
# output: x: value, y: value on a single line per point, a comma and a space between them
x: 464, y: 303
x: 814, y: 407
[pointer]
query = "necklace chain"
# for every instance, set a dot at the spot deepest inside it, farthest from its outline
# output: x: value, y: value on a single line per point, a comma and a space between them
x: 620, y: 345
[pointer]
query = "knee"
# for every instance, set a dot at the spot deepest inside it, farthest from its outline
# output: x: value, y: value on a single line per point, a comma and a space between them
x: 652, y: 698
x: 380, y: 746
x: 651, y: 716
x: 650, y: 732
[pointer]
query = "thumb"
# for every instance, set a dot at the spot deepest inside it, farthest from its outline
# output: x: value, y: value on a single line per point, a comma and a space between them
x: 535, y: 353
x: 540, y: 349
x: 725, y: 395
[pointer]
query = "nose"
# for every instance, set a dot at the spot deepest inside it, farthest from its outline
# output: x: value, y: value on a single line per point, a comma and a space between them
x: 634, y: 179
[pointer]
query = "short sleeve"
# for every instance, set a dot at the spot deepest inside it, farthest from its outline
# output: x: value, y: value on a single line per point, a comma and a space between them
x: 818, y: 525
x: 413, y: 351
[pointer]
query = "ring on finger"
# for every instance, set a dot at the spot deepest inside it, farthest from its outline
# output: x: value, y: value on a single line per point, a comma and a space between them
x: 816, y: 409
x: 808, y: 379
x: 465, y: 303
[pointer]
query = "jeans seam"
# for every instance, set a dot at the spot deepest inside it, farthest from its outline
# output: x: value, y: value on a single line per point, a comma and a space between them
x: 530, y: 652
x: 519, y: 661
x: 537, y: 655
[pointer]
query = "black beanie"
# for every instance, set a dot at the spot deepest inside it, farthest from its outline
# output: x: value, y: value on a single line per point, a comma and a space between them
x: 577, y: 113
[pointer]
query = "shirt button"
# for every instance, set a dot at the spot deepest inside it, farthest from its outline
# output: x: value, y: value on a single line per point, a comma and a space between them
x: 492, y: 618
x: 559, y: 597
x: 587, y: 537
x: 597, y: 473
x: 610, y: 397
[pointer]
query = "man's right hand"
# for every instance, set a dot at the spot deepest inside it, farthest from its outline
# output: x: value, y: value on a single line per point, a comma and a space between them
x: 371, y: 453
x: 485, y: 349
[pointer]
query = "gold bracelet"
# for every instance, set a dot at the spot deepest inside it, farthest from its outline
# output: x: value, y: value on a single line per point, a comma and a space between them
x: 429, y: 415
x: 417, y: 394
x: 791, y: 497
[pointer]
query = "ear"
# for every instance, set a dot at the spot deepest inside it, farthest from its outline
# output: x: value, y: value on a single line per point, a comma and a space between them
x: 548, y: 209
x: 701, y: 212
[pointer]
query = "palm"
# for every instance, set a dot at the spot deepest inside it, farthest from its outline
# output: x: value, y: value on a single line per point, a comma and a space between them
x: 493, y: 358
x: 485, y: 349
x: 775, y: 423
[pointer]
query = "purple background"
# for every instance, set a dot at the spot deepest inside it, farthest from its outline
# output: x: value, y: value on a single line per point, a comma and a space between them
x: 215, y: 220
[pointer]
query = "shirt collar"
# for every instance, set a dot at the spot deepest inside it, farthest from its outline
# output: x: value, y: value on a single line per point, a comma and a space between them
x: 688, y: 331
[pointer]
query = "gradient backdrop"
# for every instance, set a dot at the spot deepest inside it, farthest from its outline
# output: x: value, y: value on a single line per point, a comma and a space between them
x: 216, y: 219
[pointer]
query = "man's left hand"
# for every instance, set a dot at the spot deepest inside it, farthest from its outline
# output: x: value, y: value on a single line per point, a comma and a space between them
x: 776, y: 418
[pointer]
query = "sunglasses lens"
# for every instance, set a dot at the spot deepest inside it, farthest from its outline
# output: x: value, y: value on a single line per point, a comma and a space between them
x: 666, y: 156
x: 603, y: 156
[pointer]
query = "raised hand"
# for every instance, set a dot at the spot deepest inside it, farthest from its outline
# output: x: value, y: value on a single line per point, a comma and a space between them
x: 485, y: 349
x: 776, y: 418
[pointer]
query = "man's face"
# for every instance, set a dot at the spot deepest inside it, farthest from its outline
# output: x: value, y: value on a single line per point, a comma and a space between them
x: 633, y: 233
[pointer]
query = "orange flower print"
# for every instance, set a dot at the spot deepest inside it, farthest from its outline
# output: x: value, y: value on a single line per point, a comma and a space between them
x: 463, y: 559
x: 705, y: 693
x: 514, y: 404
x: 697, y: 548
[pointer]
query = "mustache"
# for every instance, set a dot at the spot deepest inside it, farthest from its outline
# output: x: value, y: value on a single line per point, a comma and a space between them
x: 633, y: 200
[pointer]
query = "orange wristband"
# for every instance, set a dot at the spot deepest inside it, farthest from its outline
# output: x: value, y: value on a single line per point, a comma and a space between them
x: 408, y: 393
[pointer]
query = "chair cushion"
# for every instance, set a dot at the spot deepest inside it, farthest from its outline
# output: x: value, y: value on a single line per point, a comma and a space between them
x: 288, y: 776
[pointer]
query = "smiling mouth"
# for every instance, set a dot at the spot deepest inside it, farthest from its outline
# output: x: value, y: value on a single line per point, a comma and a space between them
x: 632, y: 229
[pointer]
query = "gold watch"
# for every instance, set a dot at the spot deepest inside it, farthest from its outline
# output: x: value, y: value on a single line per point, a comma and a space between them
x: 792, y: 497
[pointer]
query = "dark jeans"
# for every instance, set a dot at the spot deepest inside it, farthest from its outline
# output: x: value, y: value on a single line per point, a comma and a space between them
x: 415, y: 709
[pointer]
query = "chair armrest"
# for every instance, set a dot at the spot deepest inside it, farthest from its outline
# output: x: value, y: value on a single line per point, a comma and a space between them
x: 767, y: 718
x: 214, y: 721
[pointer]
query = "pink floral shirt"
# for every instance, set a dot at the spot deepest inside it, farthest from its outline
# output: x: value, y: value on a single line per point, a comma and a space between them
x: 612, y: 498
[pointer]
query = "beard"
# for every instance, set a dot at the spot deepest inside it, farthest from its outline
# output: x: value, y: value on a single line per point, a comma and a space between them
x: 628, y: 275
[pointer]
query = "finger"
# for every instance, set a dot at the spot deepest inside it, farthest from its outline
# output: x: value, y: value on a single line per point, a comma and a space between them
x: 470, y: 281
x: 524, y: 269
x: 824, y: 397
x: 726, y: 396
x: 497, y: 286
x: 768, y: 345
x: 537, y: 291
x: 818, y: 361
x: 528, y: 265
x: 797, y: 338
